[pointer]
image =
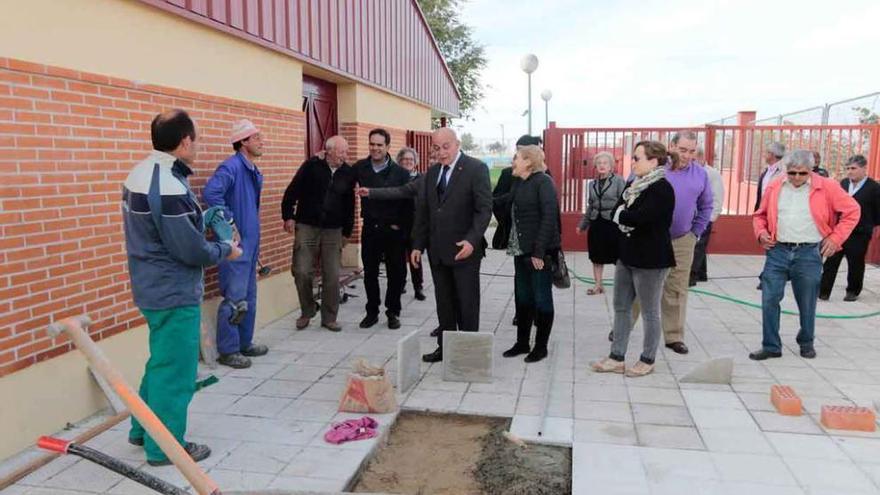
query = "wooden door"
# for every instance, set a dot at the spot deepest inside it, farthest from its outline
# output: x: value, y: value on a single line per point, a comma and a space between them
x: 319, y: 105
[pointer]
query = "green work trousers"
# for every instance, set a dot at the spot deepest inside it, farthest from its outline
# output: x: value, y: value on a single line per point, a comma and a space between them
x: 169, y: 380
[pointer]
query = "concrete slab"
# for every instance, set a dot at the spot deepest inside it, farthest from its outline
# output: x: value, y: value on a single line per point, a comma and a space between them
x: 409, y: 361
x: 718, y: 370
x: 468, y: 356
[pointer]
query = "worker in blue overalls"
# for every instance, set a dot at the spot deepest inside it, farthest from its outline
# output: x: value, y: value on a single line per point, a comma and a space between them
x: 235, y: 186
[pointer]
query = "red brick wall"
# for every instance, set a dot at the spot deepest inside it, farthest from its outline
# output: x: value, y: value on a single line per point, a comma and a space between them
x: 357, y: 135
x: 67, y: 142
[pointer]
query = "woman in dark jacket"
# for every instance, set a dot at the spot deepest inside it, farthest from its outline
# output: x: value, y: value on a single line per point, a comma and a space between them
x: 603, y: 194
x: 644, y: 216
x: 534, y: 242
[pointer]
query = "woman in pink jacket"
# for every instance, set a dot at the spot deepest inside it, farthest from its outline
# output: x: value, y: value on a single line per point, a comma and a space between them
x: 803, y: 217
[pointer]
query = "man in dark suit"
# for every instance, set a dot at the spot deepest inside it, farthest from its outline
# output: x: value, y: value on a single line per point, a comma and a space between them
x: 453, y: 210
x: 383, y: 234
x: 866, y: 192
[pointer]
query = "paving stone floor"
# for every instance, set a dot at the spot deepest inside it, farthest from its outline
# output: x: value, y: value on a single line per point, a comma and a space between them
x: 642, y: 435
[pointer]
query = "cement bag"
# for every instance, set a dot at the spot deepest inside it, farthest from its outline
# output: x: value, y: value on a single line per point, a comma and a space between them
x: 368, y: 390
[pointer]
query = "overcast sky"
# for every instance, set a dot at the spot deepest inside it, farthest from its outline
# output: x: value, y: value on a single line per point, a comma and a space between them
x: 670, y: 62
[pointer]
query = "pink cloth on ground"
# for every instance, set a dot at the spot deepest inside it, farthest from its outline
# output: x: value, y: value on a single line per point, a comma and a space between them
x: 352, y: 429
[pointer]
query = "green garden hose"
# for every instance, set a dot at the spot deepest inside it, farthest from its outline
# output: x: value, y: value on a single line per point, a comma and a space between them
x: 734, y: 300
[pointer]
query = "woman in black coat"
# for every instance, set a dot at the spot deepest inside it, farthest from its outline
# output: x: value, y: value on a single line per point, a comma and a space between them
x: 534, y: 243
x: 645, y: 256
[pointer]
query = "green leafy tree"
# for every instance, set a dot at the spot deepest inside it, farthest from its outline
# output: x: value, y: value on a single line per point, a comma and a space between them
x: 497, y: 148
x: 464, y: 55
x: 467, y: 143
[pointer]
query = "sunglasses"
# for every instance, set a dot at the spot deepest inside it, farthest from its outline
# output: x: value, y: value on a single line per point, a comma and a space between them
x: 793, y: 173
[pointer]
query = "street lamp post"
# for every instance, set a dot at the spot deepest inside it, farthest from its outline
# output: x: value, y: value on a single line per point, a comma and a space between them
x: 529, y: 64
x: 503, y: 141
x: 546, y: 95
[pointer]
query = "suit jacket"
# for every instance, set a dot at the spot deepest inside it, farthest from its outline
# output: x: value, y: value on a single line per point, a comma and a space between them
x: 868, y: 198
x: 760, y: 192
x: 463, y: 213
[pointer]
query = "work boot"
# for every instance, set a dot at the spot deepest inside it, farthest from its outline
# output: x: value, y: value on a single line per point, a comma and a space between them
x: 198, y: 452
x: 544, y: 324
x: 255, y: 350
x: 236, y: 360
x: 523, y: 329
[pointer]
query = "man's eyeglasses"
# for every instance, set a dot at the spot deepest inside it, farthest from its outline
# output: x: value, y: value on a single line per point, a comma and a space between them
x: 793, y: 173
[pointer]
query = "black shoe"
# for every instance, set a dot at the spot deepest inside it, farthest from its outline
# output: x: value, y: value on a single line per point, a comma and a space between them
x: 702, y: 278
x: 760, y: 286
x: 611, y: 336
x: 255, y: 350
x: 136, y: 441
x: 403, y: 290
x: 369, y: 320
x: 435, y: 332
x: 678, y: 347
x: 762, y: 355
x: 393, y: 322
x: 850, y: 297
x: 514, y: 321
x: 536, y: 355
x: 434, y: 357
x: 808, y: 352
x: 420, y: 296
x: 824, y: 297
x: 692, y: 283
x: 237, y: 361
x: 198, y: 452
x: 516, y: 350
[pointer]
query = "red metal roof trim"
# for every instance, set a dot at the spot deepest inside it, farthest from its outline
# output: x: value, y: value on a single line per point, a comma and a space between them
x: 357, y: 39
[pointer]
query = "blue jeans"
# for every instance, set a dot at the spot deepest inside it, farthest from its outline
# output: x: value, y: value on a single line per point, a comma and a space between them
x: 802, y: 264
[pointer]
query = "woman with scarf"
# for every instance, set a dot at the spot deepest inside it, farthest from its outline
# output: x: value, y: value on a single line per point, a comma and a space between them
x: 643, y: 216
x: 603, y: 194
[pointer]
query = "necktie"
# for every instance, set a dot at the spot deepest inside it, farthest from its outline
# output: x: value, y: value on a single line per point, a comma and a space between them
x: 441, y: 186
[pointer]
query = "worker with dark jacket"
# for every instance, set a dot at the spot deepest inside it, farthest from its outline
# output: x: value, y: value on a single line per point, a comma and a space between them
x: 866, y: 192
x: 533, y: 242
x: 318, y: 206
x: 167, y: 252
x: 383, y: 234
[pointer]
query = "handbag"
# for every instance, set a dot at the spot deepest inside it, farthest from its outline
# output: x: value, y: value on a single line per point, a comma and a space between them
x: 561, y: 278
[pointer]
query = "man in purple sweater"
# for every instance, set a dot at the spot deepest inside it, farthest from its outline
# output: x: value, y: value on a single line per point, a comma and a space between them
x: 693, y: 210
